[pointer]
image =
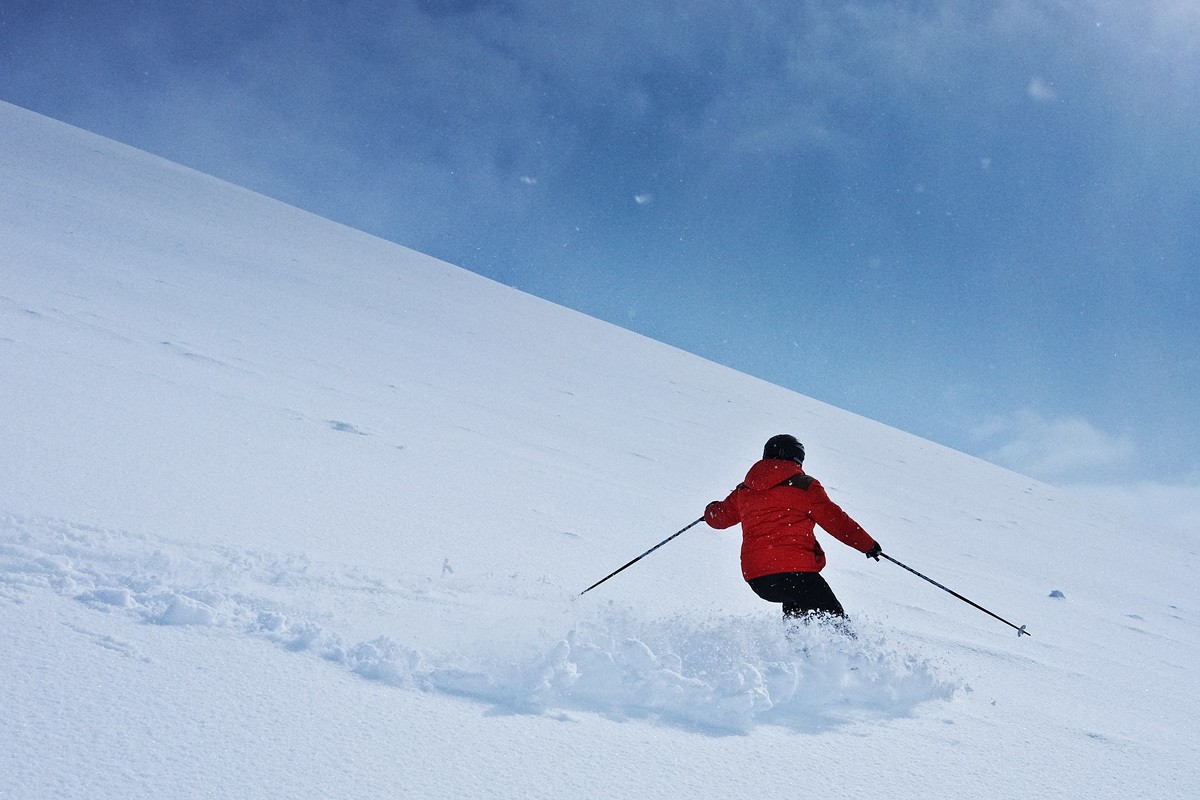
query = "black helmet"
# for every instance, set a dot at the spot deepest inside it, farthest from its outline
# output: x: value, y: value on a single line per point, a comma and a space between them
x: 785, y: 447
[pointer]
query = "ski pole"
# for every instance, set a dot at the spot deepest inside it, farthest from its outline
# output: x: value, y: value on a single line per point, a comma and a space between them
x: 639, y: 558
x: 1020, y: 630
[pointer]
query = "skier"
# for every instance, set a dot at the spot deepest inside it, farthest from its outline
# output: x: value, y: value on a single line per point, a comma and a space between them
x: 778, y: 506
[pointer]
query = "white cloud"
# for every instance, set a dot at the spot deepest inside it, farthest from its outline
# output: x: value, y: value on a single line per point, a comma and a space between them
x: 1064, y: 448
x: 1041, y: 91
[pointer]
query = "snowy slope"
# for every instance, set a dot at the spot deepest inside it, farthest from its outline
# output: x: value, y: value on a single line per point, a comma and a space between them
x: 290, y: 511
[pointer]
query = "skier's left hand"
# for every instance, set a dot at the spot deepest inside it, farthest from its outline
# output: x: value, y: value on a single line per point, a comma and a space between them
x: 875, y: 552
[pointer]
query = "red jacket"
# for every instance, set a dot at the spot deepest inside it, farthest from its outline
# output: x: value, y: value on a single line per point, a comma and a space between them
x: 778, y: 507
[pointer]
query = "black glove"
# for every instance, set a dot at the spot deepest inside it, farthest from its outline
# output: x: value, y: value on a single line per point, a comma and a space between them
x: 875, y: 552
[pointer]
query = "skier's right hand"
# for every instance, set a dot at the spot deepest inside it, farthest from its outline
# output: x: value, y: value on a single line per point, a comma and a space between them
x: 875, y: 552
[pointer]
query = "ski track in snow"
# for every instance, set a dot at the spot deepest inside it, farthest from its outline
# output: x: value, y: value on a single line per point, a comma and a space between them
x: 715, y: 676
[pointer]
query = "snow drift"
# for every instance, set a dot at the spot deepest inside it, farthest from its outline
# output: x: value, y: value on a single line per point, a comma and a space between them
x: 722, y: 675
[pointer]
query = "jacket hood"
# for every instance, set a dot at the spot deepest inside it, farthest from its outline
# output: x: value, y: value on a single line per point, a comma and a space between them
x: 771, y: 472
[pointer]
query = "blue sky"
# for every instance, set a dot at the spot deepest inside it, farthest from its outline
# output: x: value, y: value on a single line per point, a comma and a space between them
x: 974, y: 221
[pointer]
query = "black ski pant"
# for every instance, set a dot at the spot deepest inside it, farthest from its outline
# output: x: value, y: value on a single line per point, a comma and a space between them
x: 802, y: 594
